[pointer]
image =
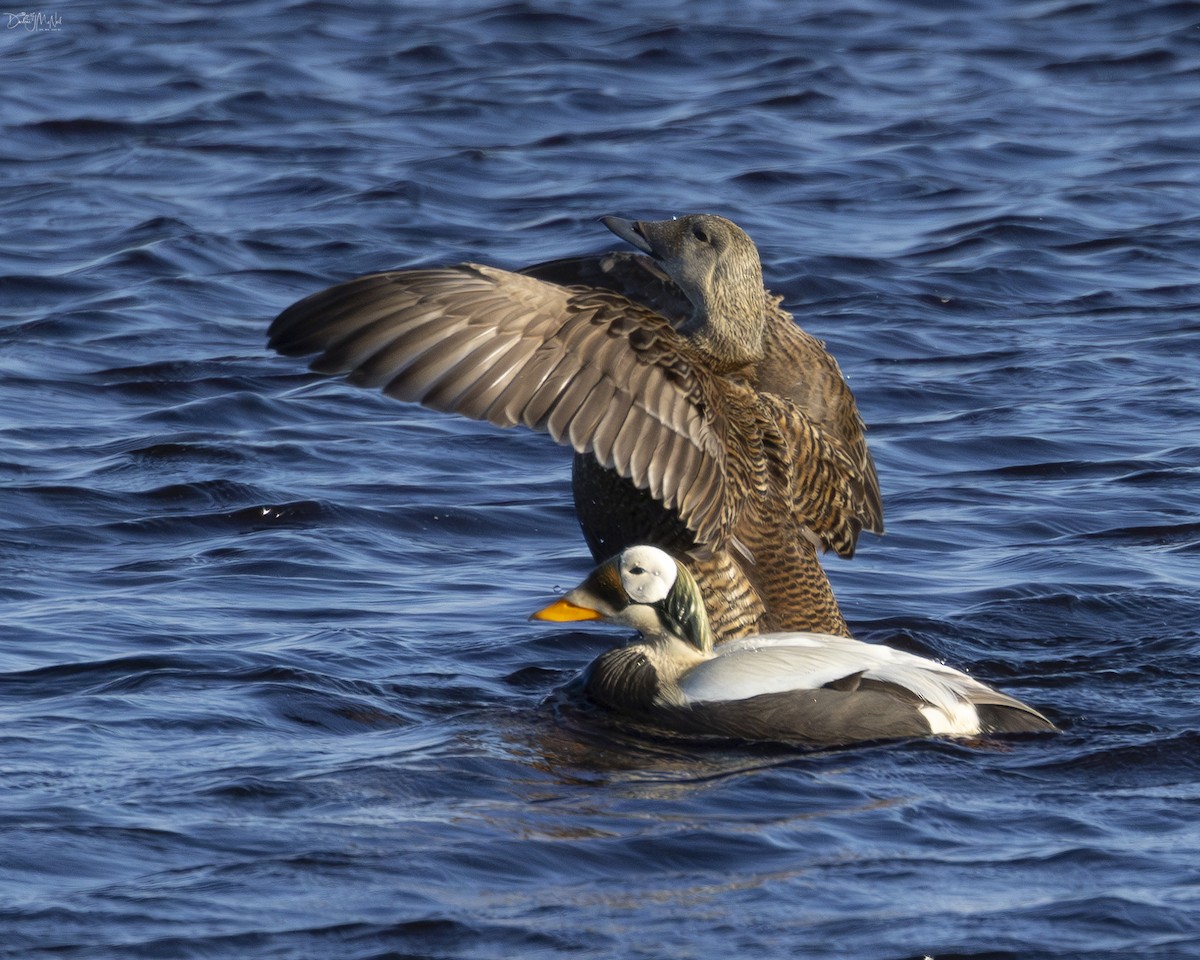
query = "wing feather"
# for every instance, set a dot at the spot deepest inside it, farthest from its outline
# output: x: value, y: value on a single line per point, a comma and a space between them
x: 590, y: 367
x: 606, y: 375
x: 804, y: 661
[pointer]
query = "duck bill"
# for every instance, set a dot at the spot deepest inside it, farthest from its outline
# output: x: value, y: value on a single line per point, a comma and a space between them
x: 563, y: 611
x: 630, y: 232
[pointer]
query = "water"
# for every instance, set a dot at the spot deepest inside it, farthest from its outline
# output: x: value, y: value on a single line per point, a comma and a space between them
x: 268, y: 689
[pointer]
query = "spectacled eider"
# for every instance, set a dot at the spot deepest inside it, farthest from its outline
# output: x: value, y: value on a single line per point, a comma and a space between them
x: 809, y: 688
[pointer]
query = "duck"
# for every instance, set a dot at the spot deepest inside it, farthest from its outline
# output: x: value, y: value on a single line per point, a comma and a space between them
x: 817, y: 690
x: 702, y: 418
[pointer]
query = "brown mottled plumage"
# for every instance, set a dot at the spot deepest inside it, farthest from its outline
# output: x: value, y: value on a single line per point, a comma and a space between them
x: 703, y: 419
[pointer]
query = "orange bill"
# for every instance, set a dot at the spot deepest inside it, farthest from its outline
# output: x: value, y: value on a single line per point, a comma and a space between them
x: 560, y: 611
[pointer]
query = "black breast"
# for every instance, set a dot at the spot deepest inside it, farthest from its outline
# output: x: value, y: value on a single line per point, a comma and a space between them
x: 623, y: 680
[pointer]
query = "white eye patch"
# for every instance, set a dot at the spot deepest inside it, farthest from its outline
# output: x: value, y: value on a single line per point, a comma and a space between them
x: 647, y: 574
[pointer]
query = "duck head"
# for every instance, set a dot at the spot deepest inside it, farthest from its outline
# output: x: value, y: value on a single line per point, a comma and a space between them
x: 641, y: 587
x: 716, y: 264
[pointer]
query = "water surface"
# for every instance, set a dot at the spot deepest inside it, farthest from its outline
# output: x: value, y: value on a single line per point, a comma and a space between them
x: 267, y: 683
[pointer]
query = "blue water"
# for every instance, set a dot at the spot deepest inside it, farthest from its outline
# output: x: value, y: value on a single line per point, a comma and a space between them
x: 266, y: 680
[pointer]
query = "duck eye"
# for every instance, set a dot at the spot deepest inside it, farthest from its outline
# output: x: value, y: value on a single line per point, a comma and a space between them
x: 699, y: 234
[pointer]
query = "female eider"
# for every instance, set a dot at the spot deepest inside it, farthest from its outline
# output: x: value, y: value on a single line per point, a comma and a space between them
x: 703, y: 419
x: 808, y: 688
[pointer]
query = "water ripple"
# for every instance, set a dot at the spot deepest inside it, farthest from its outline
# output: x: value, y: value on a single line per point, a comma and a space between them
x: 266, y: 636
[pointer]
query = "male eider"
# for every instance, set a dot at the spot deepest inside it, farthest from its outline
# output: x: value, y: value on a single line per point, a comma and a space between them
x: 808, y: 688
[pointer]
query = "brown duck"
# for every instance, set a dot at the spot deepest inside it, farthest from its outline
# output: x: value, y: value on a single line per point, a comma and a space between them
x: 703, y: 419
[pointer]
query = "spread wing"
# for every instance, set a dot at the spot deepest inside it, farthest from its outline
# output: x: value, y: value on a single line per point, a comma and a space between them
x: 796, y: 366
x: 596, y: 371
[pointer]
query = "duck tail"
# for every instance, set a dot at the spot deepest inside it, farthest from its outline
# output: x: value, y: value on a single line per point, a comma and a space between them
x: 1011, y: 716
